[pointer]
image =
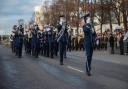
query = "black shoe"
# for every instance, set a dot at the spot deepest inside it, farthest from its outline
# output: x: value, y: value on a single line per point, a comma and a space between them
x: 36, y: 56
x: 65, y: 57
x: 88, y: 74
x: 61, y: 63
x: 52, y: 57
x: 19, y: 56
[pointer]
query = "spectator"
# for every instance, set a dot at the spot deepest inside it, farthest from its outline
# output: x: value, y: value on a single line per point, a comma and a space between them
x: 121, y: 43
x: 106, y: 41
x: 98, y: 42
x: 126, y: 41
x: 111, y: 42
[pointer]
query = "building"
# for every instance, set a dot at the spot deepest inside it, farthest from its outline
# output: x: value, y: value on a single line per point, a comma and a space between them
x: 38, y: 16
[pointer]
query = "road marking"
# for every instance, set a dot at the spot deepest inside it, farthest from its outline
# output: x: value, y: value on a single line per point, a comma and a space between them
x: 70, y: 67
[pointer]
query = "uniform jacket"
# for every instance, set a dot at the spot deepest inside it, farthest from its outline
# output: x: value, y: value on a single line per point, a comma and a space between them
x: 88, y: 35
x: 64, y: 37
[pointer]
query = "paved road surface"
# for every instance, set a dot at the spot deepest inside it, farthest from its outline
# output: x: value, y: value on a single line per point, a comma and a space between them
x: 46, y: 73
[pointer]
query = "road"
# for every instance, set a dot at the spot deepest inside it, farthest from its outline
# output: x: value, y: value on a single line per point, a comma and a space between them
x: 46, y: 73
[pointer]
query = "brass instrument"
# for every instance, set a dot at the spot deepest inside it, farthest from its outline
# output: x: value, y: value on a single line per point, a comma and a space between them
x: 60, y: 34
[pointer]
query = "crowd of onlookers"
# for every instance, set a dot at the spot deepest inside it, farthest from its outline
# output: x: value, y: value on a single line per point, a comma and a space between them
x: 111, y: 41
x: 116, y: 41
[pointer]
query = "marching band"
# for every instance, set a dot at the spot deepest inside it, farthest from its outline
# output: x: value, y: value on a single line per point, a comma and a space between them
x: 49, y: 41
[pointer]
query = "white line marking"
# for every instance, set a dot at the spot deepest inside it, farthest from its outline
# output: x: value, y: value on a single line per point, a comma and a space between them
x: 75, y: 69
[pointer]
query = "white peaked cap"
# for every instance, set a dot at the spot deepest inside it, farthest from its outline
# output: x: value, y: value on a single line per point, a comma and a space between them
x: 88, y: 20
x: 48, y: 29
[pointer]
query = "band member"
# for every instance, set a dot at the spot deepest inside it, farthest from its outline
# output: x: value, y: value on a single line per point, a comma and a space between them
x: 35, y: 41
x: 50, y: 41
x: 14, y: 38
x: 55, y: 48
x: 62, y: 38
x: 45, y: 44
x: 66, y: 36
x: 47, y: 40
x: 21, y: 28
x: 111, y: 42
x: 26, y: 41
x: 29, y: 40
x: 41, y: 39
x: 18, y: 42
x: 88, y: 44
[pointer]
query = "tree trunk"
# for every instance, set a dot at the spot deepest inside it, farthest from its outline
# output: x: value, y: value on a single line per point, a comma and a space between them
x: 124, y: 15
x: 125, y: 21
x: 101, y: 26
x: 110, y: 20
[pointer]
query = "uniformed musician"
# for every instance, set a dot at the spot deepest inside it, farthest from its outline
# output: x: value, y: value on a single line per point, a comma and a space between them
x: 88, y: 41
x: 62, y: 38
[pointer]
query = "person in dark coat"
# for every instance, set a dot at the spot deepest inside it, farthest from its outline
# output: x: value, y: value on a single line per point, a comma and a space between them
x: 111, y: 42
x: 69, y: 43
x: 73, y: 43
x: 88, y: 42
x: 76, y: 43
x: 121, y: 43
x: 106, y: 42
x: 81, y: 43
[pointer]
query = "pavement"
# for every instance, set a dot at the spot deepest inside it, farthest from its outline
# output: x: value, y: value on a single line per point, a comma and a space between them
x: 102, y: 56
x: 46, y: 73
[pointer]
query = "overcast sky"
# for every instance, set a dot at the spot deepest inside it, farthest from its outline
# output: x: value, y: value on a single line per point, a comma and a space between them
x: 12, y: 10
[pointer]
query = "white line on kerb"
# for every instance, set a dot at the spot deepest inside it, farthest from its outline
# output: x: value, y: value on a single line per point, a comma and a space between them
x: 75, y: 69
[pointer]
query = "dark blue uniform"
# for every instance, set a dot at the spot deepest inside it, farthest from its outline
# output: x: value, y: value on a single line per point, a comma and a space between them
x: 29, y: 42
x: 55, y: 46
x: 12, y: 42
x: 19, y: 43
x: 88, y: 43
x: 21, y: 29
x: 51, y: 43
x: 45, y: 44
x: 26, y: 42
x: 41, y: 39
x: 35, y: 43
x: 62, y: 43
